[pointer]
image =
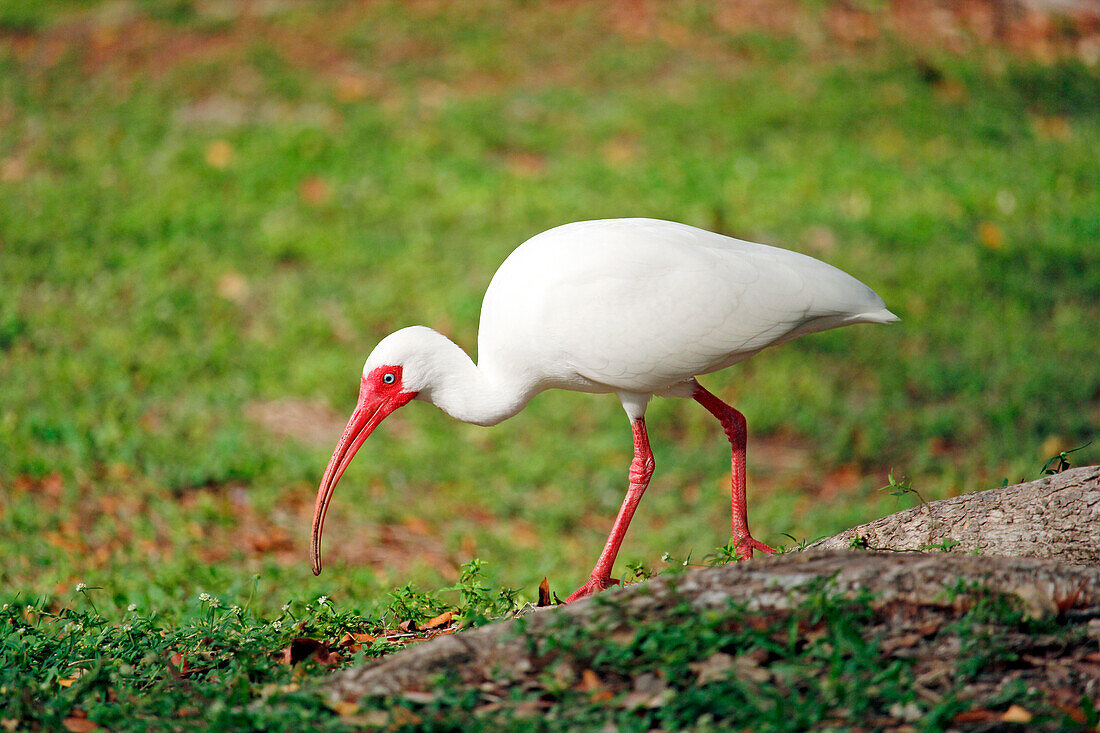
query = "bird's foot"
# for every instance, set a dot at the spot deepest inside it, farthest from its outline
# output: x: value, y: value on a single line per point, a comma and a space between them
x: 745, y: 545
x: 593, y: 586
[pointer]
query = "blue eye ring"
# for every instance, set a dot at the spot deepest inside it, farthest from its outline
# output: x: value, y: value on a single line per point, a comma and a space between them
x: 389, y: 378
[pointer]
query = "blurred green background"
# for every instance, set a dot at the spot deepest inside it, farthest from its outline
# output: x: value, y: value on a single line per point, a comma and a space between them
x: 211, y: 211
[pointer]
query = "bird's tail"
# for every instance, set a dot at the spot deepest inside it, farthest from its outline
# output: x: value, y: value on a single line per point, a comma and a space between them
x: 882, y: 315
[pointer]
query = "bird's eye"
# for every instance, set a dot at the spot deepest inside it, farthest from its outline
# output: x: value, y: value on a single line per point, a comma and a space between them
x: 389, y: 378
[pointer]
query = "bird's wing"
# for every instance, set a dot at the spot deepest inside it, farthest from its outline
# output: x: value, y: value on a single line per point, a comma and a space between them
x: 641, y: 304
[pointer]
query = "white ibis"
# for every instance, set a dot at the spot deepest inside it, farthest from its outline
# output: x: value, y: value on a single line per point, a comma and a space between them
x: 638, y: 307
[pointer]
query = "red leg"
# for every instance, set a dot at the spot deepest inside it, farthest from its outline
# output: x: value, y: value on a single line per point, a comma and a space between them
x: 733, y: 422
x: 641, y: 469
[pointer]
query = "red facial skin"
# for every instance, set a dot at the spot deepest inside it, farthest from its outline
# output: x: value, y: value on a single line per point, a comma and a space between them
x: 378, y: 397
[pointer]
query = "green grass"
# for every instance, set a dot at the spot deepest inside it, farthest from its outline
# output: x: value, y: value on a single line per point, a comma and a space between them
x: 188, y: 230
x: 822, y: 664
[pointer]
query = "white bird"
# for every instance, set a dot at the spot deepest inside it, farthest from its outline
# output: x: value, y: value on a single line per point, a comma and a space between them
x: 637, y: 307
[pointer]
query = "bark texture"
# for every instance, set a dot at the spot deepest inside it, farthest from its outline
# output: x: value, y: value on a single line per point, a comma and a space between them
x: 1055, y: 517
x: 777, y: 583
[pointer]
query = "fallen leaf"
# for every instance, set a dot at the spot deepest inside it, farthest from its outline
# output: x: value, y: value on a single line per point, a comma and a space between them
x: 79, y: 725
x: 1070, y: 601
x: 524, y: 163
x: 350, y: 639
x: 13, y: 170
x: 233, y: 286
x: 314, y: 191
x: 178, y: 666
x: 351, y: 88
x: 979, y: 715
x: 442, y: 620
x: 713, y: 668
x: 590, y: 682
x: 219, y: 154
x: 343, y: 708
x: 302, y: 649
x: 544, y: 593
x: 1076, y: 714
x: 650, y: 691
x: 408, y: 626
x: 1016, y: 714
x: 990, y: 235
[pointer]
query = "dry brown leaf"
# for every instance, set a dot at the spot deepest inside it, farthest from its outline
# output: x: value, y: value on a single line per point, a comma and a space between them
x: 178, y: 666
x: 344, y: 708
x: 408, y: 626
x: 219, y: 154
x: 354, y: 640
x: 650, y: 691
x: 440, y: 621
x: 590, y: 682
x: 233, y: 286
x: 544, y: 593
x: 990, y: 235
x: 79, y: 725
x: 13, y: 170
x: 1076, y: 714
x: 302, y: 648
x: 980, y: 715
x: 715, y: 667
x: 314, y: 191
x: 1016, y: 714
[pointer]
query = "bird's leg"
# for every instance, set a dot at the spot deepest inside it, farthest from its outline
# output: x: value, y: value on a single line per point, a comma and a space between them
x: 641, y: 469
x: 733, y: 422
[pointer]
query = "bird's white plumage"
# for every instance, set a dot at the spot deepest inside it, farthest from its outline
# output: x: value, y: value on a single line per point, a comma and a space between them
x: 632, y: 306
x: 641, y: 305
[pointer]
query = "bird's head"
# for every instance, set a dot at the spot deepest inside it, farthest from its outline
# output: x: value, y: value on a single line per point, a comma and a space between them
x: 395, y: 373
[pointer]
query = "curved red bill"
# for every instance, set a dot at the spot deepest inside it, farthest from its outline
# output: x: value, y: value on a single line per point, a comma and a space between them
x: 369, y: 412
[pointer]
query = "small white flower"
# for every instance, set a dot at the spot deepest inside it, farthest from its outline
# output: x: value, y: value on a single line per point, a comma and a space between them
x: 236, y: 610
x: 286, y: 606
x: 132, y: 607
x: 205, y: 597
x: 666, y: 557
x: 5, y: 608
x: 81, y: 587
x: 322, y: 601
x: 126, y: 628
x: 29, y: 609
x: 276, y: 624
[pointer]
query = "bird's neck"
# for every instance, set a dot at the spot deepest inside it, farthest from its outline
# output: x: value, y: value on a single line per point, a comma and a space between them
x: 482, y: 395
